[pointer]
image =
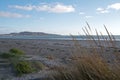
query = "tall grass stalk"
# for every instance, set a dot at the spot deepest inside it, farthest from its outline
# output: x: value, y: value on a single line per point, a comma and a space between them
x: 90, y: 63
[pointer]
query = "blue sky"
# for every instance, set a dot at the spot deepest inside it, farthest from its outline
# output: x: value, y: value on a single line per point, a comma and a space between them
x: 59, y: 16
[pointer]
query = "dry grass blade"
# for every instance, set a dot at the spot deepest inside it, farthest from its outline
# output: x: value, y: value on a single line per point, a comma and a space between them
x: 110, y: 37
x: 89, y: 27
x: 91, y: 65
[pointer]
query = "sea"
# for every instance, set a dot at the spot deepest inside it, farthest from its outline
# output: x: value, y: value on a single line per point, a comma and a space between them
x: 80, y: 37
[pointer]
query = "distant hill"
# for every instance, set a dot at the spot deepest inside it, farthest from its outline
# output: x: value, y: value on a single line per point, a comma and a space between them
x: 32, y: 34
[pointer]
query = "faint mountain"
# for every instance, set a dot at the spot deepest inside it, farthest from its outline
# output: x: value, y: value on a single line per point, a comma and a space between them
x: 32, y: 34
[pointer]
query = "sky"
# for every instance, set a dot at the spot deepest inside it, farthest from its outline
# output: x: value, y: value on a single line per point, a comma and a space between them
x: 59, y: 16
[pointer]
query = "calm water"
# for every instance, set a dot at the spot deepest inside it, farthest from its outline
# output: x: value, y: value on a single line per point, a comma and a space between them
x: 117, y: 37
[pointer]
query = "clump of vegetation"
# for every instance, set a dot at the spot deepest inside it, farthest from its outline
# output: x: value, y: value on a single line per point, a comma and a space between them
x: 16, y: 51
x: 23, y: 67
x: 12, y: 53
x: 38, y: 65
x: 94, y: 69
x: 87, y: 69
x: 92, y: 65
x: 19, y: 64
x: 6, y: 55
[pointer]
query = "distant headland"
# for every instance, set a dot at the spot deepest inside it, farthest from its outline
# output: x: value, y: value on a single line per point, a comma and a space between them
x: 31, y: 34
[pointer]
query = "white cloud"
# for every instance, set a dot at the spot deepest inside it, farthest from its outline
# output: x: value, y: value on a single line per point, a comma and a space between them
x: 56, y: 8
x: 102, y: 10
x: 88, y: 16
x: 27, y: 7
x: 42, y: 8
x: 115, y: 6
x: 62, y: 8
x: 81, y: 13
x: 99, y: 9
x: 12, y: 15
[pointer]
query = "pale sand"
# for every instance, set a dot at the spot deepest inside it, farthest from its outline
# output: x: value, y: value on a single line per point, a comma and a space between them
x: 38, y: 47
x: 44, y: 47
x: 41, y: 49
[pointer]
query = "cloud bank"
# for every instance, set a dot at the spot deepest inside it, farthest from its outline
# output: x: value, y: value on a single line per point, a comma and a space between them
x: 56, y: 8
x: 12, y: 15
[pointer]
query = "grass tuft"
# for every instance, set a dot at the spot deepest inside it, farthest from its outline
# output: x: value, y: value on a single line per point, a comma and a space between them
x: 90, y: 63
x: 23, y: 67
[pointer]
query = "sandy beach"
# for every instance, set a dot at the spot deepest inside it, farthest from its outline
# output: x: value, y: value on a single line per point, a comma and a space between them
x: 38, y: 47
x: 41, y: 50
x: 38, y: 50
x: 58, y: 48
